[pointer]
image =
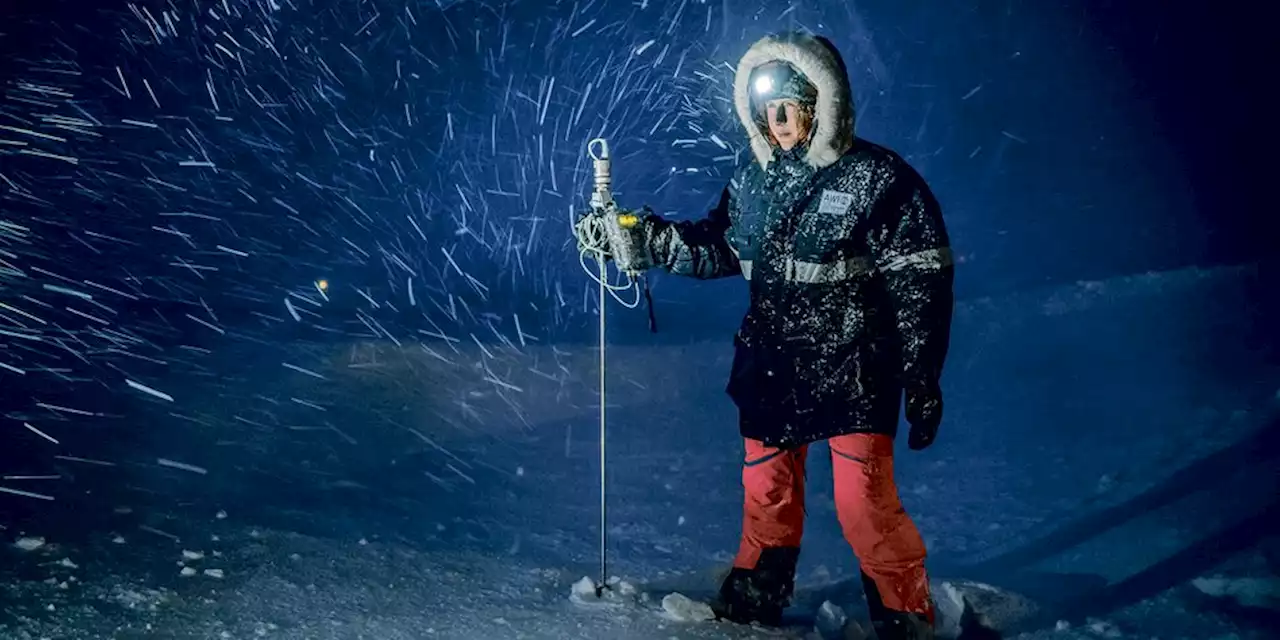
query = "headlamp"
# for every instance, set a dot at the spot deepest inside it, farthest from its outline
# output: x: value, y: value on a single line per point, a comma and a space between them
x: 779, y: 81
x: 764, y: 85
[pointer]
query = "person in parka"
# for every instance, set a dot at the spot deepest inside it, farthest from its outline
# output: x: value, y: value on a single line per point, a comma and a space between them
x: 850, y: 277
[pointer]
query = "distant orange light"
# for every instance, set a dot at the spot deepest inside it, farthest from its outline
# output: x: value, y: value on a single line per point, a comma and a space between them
x: 322, y: 285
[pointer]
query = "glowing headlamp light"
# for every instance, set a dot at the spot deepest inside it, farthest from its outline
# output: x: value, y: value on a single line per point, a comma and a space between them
x: 778, y: 81
x: 764, y: 86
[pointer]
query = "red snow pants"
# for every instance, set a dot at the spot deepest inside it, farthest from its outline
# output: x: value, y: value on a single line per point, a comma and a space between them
x: 885, y: 540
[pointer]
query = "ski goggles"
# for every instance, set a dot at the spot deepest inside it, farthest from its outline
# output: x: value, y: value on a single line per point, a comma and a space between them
x: 780, y: 81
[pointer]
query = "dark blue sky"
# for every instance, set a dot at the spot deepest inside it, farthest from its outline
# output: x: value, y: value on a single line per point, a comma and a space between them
x: 1066, y: 141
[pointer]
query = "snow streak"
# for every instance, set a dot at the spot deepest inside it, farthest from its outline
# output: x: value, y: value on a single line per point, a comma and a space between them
x: 185, y: 184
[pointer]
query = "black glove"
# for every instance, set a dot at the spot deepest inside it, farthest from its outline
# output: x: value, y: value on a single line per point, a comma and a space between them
x: 924, y: 414
x: 627, y: 245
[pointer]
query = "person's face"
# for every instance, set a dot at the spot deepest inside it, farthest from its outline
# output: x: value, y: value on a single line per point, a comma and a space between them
x: 795, y: 124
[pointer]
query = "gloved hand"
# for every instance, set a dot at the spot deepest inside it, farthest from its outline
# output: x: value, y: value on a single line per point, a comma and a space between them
x: 629, y: 235
x: 924, y: 414
x: 622, y: 235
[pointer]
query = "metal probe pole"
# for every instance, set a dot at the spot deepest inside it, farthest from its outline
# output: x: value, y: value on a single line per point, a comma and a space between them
x: 602, y: 202
x: 604, y: 531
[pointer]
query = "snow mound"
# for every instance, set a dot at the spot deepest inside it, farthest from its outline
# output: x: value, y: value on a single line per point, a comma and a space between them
x: 29, y: 543
x: 617, y: 593
x: 831, y: 622
x: 964, y: 606
x: 682, y: 608
x: 1257, y: 593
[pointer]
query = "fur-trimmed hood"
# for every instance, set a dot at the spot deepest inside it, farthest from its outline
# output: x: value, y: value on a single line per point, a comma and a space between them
x: 818, y: 60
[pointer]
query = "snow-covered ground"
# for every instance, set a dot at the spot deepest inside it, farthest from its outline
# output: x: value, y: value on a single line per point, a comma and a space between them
x: 452, y: 493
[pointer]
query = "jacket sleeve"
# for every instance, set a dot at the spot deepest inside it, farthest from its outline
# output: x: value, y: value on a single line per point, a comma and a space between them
x: 913, y: 255
x: 698, y: 249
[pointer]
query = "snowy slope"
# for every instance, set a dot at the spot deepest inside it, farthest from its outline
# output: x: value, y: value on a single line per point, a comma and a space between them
x: 418, y: 496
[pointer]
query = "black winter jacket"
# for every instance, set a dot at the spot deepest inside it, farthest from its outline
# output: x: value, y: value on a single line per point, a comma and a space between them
x: 849, y: 265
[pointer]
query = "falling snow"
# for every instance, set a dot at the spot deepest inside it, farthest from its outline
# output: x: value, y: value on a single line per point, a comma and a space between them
x: 279, y: 276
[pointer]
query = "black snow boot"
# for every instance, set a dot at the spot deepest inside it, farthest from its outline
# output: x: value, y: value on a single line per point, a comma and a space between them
x: 894, y: 625
x: 759, y: 594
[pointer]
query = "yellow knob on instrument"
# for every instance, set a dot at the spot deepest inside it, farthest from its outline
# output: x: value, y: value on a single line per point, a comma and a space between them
x: 628, y: 220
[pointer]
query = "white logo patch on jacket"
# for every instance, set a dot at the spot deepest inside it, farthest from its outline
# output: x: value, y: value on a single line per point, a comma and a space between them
x: 835, y: 202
